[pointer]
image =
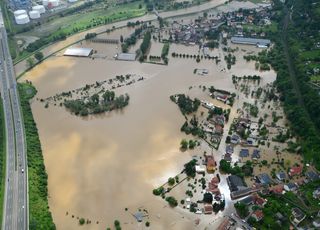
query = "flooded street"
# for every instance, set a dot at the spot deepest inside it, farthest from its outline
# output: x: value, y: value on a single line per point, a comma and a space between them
x: 100, y: 165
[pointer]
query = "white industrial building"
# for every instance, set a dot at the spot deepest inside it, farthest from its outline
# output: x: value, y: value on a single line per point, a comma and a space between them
x: 126, y: 56
x: 78, y: 52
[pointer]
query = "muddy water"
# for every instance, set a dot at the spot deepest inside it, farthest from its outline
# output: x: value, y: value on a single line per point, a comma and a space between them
x: 101, y: 165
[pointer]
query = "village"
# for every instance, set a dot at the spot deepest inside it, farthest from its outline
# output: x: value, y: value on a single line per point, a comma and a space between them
x: 246, y: 165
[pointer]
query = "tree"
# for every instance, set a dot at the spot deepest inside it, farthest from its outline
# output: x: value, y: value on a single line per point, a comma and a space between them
x: 184, y: 144
x: 39, y: 56
x: 81, y: 221
x: 171, y: 181
x: 30, y: 62
x: 172, y: 201
x: 121, y: 39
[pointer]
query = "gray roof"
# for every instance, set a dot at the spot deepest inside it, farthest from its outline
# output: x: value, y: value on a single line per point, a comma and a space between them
x: 235, y: 183
x: 78, y: 52
x: 244, y: 152
x: 264, y: 178
x: 256, y: 153
x: 281, y: 175
x: 126, y: 56
x: 250, y: 41
x: 312, y: 175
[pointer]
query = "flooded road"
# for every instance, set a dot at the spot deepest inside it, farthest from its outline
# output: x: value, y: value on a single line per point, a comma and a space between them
x: 100, y: 165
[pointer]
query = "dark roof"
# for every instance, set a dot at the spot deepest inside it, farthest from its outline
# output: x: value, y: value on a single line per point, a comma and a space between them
x: 247, y: 201
x: 264, y: 178
x: 311, y: 175
x: 291, y: 186
x: 244, y: 152
x: 227, y: 157
x: 281, y: 175
x: 298, y: 214
x: 235, y: 182
x: 229, y: 149
x: 252, y: 41
x: 256, y: 153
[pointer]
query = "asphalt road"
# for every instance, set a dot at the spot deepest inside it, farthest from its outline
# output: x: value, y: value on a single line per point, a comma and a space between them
x: 15, y: 209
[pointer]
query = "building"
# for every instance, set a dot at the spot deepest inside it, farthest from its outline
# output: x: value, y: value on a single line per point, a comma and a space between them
x: 78, y: 52
x: 256, y: 154
x: 225, y: 225
x: 229, y: 149
x: 211, y: 164
x: 316, y: 223
x: 200, y: 169
x: 278, y: 189
x: 290, y: 187
x: 257, y: 215
x: 235, y: 139
x: 296, y: 170
x: 208, y: 209
x: 20, y: 4
x: 235, y: 183
x: 126, y: 56
x: 312, y: 176
x: 244, y: 153
x: 316, y: 193
x: 251, y: 41
x: 227, y: 157
x: 264, y: 178
x: 281, y: 176
x: 298, y: 215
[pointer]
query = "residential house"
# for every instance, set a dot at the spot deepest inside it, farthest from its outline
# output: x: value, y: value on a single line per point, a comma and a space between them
x: 227, y: 157
x: 225, y: 225
x: 298, y: 215
x: 277, y: 189
x: 312, y: 176
x: 229, y: 149
x: 263, y: 178
x: 316, y: 193
x: 296, y: 170
x: 218, y: 129
x: 255, y: 154
x: 247, y: 201
x: 244, y: 153
x: 281, y: 176
x: 316, y: 223
x: 211, y: 164
x: 200, y: 169
x: 208, y: 209
x: 257, y: 215
x: 236, y: 183
x: 290, y: 187
x: 235, y: 139
x: 257, y: 200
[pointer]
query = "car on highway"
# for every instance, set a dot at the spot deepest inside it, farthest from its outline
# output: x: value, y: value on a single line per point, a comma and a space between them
x: 22, y: 170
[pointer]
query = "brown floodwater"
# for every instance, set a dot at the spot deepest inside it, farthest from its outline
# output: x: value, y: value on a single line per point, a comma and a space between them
x: 100, y: 165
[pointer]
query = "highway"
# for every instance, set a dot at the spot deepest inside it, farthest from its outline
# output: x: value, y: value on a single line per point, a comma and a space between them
x: 15, y: 207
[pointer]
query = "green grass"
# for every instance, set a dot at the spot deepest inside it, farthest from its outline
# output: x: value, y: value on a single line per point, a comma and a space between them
x: 39, y: 214
x: 273, y: 28
x: 2, y: 159
x: 310, y: 55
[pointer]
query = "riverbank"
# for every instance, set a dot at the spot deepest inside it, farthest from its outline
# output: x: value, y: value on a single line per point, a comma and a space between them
x: 39, y: 214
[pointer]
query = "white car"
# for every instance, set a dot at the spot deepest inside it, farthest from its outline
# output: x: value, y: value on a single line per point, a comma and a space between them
x: 22, y: 170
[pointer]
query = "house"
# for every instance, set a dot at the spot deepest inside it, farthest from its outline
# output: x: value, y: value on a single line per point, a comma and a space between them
x: 225, y: 225
x: 298, y: 215
x: 256, y: 154
x: 263, y: 178
x: 312, y: 176
x: 235, y: 183
x: 222, y: 97
x: 316, y: 193
x: 316, y: 223
x: 257, y: 215
x: 290, y: 187
x: 259, y: 200
x: 208, y: 209
x: 247, y: 201
x: 227, y: 157
x: 229, y: 149
x: 296, y: 170
x: 279, y: 216
x: 281, y: 176
x: 211, y: 164
x: 278, y: 189
x: 244, y: 153
x: 200, y: 169
x: 235, y: 139
x: 218, y: 129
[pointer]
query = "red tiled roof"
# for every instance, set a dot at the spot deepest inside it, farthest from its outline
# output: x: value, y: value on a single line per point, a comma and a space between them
x: 208, y: 209
x: 296, y: 170
x: 278, y: 189
x: 258, y: 214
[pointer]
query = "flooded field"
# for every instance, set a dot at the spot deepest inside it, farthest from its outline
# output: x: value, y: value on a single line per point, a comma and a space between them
x: 101, y: 165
